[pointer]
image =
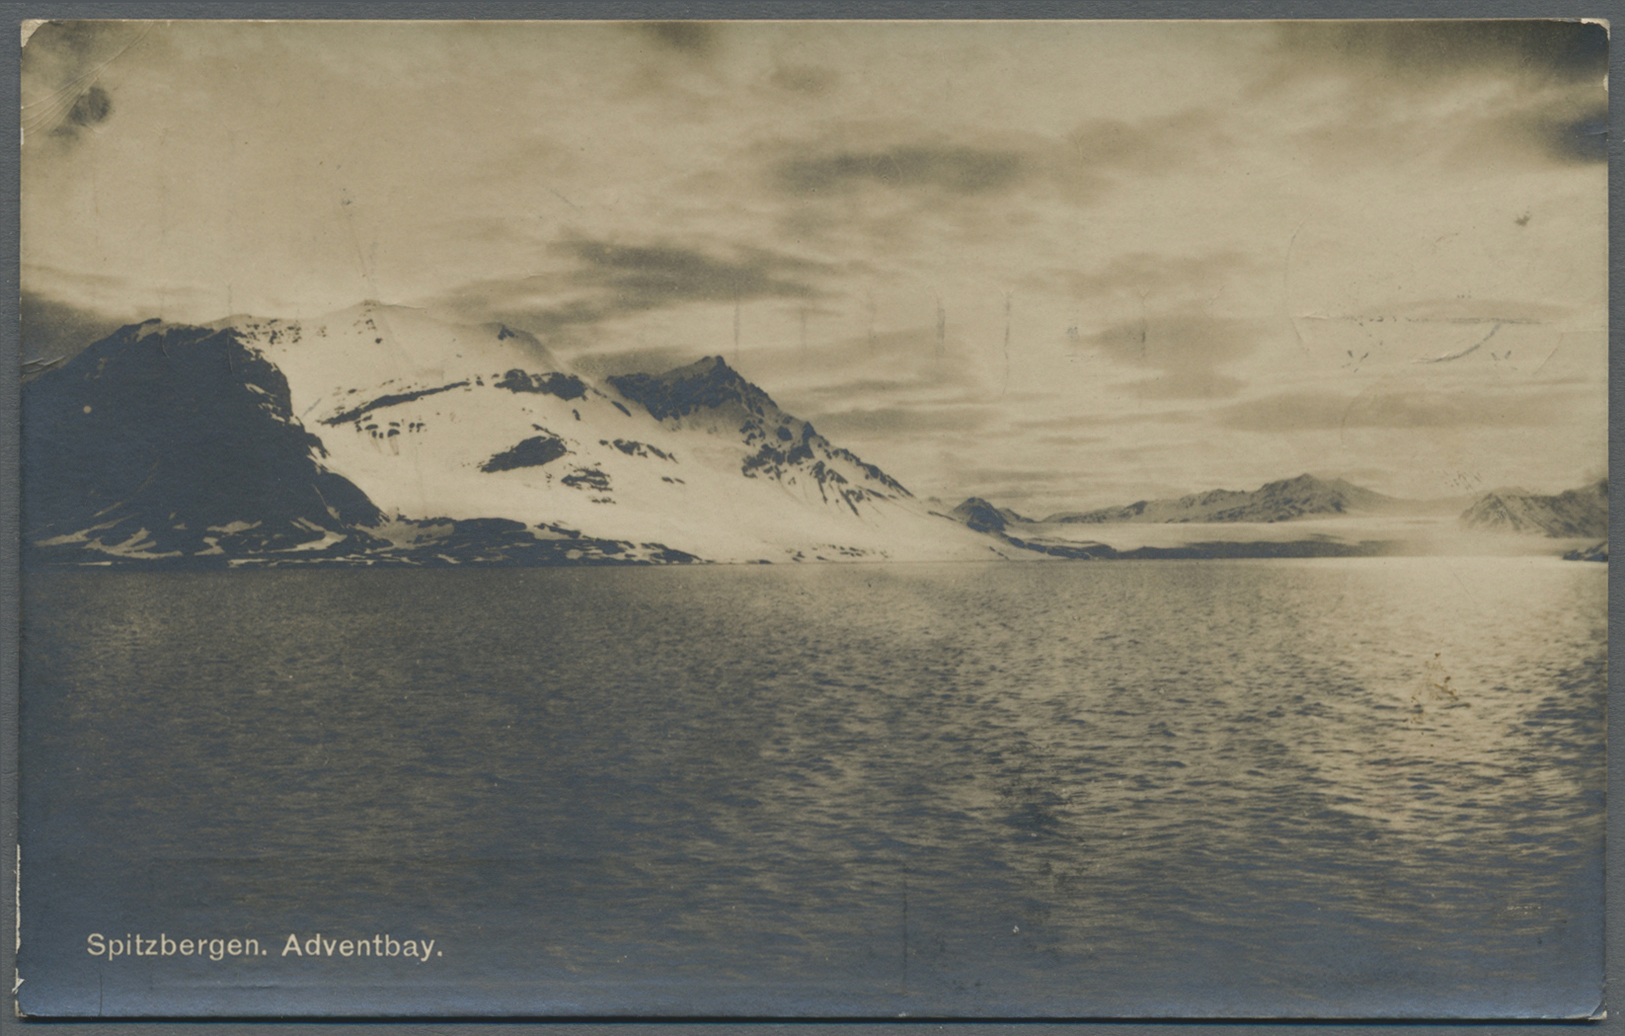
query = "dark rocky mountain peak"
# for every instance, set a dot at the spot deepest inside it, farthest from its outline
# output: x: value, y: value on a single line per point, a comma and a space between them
x: 982, y: 516
x: 710, y: 394
x: 709, y: 384
x: 172, y: 440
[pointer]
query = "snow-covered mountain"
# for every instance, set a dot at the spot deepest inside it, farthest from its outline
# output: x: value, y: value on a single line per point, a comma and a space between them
x: 1576, y: 513
x: 1280, y: 501
x: 378, y: 433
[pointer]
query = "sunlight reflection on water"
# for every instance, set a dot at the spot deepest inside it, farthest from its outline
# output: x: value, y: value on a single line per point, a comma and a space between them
x: 1303, y: 787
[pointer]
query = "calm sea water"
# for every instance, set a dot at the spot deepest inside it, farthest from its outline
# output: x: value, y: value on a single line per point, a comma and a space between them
x: 1364, y: 786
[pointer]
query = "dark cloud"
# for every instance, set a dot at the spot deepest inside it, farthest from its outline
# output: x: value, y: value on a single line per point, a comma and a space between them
x: 648, y: 277
x: 907, y: 360
x: 1073, y: 422
x: 633, y: 361
x: 1580, y: 138
x: 1118, y: 143
x: 1186, y: 347
x: 1070, y: 442
x: 958, y: 170
x: 1407, y: 409
x: 694, y: 38
x: 859, y: 421
x: 892, y: 185
x: 612, y: 280
x: 1188, y: 383
x: 1150, y: 271
x: 1548, y: 48
x: 1567, y: 125
x: 859, y: 387
x: 1151, y: 145
x: 1008, y: 486
x: 806, y: 79
x: 1173, y: 340
x: 1555, y: 71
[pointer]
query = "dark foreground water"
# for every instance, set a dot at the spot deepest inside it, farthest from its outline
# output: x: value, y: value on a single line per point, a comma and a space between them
x: 1302, y: 788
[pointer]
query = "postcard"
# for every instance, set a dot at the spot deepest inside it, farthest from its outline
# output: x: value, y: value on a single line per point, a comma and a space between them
x: 823, y: 519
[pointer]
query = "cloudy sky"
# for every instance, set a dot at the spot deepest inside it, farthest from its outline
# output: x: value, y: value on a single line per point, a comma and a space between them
x: 1054, y: 264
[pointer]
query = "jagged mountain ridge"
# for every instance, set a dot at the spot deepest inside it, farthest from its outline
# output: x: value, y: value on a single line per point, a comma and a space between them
x: 1574, y: 513
x: 710, y: 395
x: 470, y: 442
x: 1280, y: 501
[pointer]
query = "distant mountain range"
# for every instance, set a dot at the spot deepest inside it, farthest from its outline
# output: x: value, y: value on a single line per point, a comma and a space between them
x: 1576, y: 513
x: 1275, y: 502
x: 1280, y: 501
x: 378, y: 435
x: 1301, y: 497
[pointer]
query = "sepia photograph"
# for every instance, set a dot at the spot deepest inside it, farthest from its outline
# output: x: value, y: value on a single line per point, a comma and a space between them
x: 961, y: 519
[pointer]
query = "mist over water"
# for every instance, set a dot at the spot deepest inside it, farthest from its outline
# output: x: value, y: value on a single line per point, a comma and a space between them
x: 1334, y: 786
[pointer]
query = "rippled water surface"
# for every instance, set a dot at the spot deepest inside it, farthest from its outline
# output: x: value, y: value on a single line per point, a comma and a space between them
x: 1363, y: 786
